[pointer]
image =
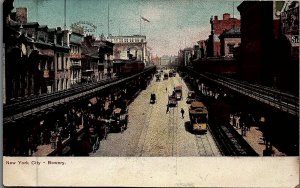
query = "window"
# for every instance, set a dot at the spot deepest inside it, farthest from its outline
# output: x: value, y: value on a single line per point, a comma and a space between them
x: 57, y: 84
x: 230, y: 48
x: 66, y: 63
x: 51, y: 65
x: 62, y: 61
x: 57, y: 62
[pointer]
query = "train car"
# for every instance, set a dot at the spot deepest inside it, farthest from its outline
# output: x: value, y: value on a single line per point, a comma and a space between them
x: 127, y: 67
x: 198, y: 117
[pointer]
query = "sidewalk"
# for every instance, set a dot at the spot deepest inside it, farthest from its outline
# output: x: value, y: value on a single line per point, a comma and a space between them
x: 254, y: 137
x: 46, y: 150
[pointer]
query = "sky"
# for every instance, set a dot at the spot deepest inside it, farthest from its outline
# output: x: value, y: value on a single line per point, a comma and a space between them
x: 174, y: 24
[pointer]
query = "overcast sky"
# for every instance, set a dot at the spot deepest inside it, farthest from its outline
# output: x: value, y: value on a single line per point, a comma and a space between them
x: 174, y: 24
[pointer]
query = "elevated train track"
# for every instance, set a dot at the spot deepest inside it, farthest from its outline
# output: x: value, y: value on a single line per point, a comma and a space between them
x: 272, y: 97
x: 228, y: 140
x: 43, y: 102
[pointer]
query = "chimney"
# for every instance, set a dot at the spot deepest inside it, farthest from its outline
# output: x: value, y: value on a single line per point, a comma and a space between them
x: 216, y: 18
x: 226, y: 16
x: 21, y: 15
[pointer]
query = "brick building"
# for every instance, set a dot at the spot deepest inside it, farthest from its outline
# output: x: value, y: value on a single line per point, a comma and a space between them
x: 217, y: 28
x: 229, y: 41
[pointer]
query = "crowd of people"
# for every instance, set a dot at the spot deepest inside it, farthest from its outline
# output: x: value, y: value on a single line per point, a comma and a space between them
x: 81, y: 125
x: 242, y: 121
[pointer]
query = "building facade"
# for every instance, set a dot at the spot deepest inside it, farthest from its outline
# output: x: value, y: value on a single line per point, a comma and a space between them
x: 76, y: 38
x: 129, y: 47
x: 229, y: 41
x: 267, y: 48
x: 32, y: 57
x: 217, y: 28
x: 202, y: 48
x: 96, y: 58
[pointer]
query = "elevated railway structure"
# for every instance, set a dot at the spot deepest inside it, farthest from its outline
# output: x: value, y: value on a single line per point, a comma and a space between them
x: 277, y: 99
x: 279, y: 110
x: 42, y: 103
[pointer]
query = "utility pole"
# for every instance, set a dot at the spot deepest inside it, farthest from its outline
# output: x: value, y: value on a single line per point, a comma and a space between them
x: 140, y: 23
x: 108, y: 32
x: 65, y: 15
x: 233, y: 9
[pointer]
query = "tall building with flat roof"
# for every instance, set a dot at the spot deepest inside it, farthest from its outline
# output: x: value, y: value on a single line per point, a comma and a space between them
x: 129, y: 47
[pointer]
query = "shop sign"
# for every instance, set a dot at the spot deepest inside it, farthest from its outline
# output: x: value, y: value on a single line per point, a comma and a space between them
x: 46, y: 52
x: 86, y: 27
x: 295, y: 39
x: 75, y: 55
x: 60, y: 75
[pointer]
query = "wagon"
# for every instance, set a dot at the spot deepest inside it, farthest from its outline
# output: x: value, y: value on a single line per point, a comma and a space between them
x: 119, y: 120
x: 191, y: 97
x: 172, y: 102
x: 153, y: 98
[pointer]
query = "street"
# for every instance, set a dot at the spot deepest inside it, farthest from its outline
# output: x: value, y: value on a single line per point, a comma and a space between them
x: 152, y: 132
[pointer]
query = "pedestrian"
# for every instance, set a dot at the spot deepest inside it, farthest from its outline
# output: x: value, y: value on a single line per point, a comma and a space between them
x: 237, y: 121
x: 234, y: 120
x: 231, y: 119
x: 31, y: 145
x: 59, y: 145
x: 167, y: 108
x: 182, y: 113
x: 53, y: 140
x: 166, y: 90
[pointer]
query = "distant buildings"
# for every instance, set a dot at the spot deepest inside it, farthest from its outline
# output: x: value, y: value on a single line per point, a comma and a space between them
x: 225, y: 36
x: 165, y: 60
x: 185, y: 56
x: 155, y: 60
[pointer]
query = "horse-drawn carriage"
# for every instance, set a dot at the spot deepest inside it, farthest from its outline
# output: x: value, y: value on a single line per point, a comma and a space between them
x: 191, y: 97
x: 172, y: 102
x: 119, y: 120
x: 94, y: 138
x: 157, y: 77
x: 152, y: 98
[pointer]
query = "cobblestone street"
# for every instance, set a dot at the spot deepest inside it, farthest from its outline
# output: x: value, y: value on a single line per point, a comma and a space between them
x: 152, y: 132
